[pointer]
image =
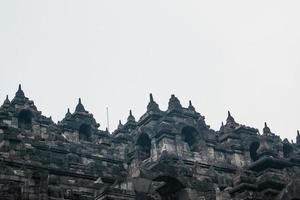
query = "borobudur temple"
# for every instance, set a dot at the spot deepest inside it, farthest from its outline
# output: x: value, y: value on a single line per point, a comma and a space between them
x: 165, y: 155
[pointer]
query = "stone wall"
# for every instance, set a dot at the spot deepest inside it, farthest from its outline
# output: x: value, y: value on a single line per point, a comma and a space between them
x: 165, y: 155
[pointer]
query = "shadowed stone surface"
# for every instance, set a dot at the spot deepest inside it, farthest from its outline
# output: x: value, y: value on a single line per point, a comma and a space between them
x: 165, y: 155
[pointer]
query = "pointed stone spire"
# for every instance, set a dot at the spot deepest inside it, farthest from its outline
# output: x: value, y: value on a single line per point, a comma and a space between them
x: 222, y: 127
x: 298, y: 138
x: 230, y: 123
x: 174, y: 103
x: 6, y: 99
x: 19, y: 97
x: 151, y: 98
x: 120, y: 126
x: 191, y: 107
x: 6, y: 103
x: 20, y: 92
x: 152, y: 105
x: 130, y: 117
x: 230, y: 119
x: 267, y: 130
x: 80, y: 107
x: 68, y: 114
x: 229, y: 115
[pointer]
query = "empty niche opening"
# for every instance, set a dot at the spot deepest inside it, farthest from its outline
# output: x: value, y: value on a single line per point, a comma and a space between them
x: 253, y: 148
x: 189, y: 137
x: 85, y: 132
x: 25, y: 119
x: 170, y: 189
x: 287, y: 150
x: 143, y: 147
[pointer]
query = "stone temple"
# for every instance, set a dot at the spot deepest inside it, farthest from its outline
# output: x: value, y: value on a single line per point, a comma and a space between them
x: 165, y: 155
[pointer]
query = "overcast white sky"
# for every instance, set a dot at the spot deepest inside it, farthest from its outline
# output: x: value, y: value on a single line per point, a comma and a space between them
x: 242, y: 56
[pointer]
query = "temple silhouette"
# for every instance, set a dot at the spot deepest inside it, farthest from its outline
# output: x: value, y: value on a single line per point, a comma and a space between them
x: 164, y: 155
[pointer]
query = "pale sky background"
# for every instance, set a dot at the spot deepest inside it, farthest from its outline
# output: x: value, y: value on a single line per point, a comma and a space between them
x: 242, y: 56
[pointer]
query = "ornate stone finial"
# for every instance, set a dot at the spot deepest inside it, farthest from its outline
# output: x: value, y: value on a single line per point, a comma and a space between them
x: 174, y: 103
x: 229, y: 115
x: 222, y: 127
x: 298, y: 138
x: 20, y: 92
x: 79, y: 107
x: 68, y: 114
x: 152, y: 105
x: 267, y: 130
x: 151, y: 97
x: 230, y: 119
x: 120, y: 126
x: 130, y: 117
x: 6, y: 103
x: 230, y: 123
x: 191, y: 107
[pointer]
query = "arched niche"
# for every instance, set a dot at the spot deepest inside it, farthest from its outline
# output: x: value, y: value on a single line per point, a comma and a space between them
x: 25, y: 119
x: 73, y: 158
x: 287, y: 150
x: 253, y: 148
x: 143, y: 147
x: 85, y: 132
x: 188, y: 134
x: 171, y: 189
